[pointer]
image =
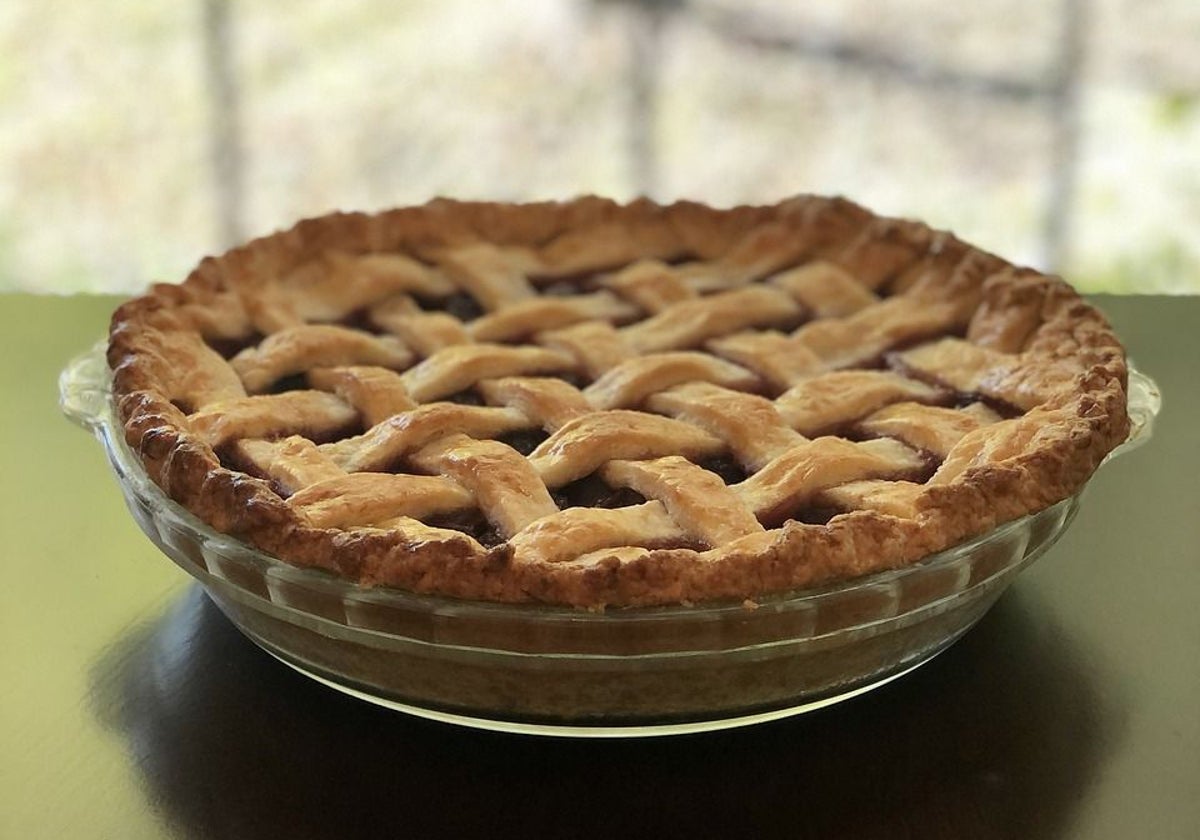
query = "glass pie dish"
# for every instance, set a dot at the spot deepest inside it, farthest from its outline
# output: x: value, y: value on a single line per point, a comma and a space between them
x: 555, y: 670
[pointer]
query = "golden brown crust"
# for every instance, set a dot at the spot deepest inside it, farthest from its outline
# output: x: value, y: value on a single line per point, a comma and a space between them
x: 1029, y: 342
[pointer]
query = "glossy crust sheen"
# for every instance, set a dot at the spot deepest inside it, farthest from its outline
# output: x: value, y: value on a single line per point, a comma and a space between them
x: 1065, y: 342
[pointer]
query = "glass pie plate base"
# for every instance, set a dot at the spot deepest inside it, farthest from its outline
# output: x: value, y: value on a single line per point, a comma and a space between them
x: 562, y: 671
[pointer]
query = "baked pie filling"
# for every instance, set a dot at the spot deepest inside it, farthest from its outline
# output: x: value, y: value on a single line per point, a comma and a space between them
x: 596, y: 404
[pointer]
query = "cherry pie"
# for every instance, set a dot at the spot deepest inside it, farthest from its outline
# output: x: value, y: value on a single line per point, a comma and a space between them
x: 593, y: 404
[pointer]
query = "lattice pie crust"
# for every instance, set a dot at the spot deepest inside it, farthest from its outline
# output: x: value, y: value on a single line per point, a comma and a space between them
x: 597, y: 404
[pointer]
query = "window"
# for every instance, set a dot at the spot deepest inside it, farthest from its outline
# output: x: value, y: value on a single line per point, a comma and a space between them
x: 141, y: 136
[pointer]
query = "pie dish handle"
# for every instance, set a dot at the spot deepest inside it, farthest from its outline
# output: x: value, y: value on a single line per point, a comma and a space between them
x: 1145, y: 403
x: 83, y: 389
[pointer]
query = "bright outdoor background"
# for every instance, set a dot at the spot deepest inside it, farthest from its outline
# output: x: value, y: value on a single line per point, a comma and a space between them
x: 136, y: 137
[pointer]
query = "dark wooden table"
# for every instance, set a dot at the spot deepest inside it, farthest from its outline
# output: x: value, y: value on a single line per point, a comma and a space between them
x: 132, y: 709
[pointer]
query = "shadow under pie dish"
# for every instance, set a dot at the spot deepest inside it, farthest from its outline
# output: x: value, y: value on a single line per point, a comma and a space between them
x: 589, y: 404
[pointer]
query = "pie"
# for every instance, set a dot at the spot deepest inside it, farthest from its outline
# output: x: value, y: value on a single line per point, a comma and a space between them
x: 599, y: 404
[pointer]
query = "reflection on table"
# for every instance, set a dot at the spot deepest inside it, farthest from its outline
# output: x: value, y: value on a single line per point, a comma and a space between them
x: 233, y: 743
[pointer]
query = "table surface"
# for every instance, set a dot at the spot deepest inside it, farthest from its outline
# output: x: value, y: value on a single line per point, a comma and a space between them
x: 130, y: 708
